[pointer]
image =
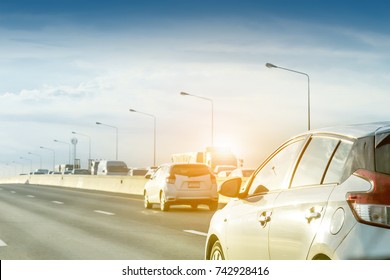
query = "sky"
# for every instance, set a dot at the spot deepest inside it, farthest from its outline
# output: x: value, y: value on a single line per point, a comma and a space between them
x: 67, y: 64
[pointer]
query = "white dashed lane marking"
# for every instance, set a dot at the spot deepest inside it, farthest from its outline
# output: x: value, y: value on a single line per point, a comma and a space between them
x: 29, y: 195
x: 57, y: 202
x: 103, y: 212
x: 195, y: 232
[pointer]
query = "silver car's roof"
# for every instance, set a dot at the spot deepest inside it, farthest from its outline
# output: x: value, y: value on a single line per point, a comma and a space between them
x: 354, y: 130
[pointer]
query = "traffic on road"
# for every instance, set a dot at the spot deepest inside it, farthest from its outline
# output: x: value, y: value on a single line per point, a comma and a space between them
x: 52, y: 223
x: 324, y: 194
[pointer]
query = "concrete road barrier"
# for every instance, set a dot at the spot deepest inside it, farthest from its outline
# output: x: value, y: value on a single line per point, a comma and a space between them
x: 117, y: 184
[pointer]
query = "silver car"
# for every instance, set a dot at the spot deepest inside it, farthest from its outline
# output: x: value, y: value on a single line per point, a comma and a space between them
x: 324, y: 194
x: 174, y: 184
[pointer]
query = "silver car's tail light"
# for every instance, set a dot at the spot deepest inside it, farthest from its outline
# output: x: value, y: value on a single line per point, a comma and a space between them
x: 372, y: 207
x: 171, y: 179
x: 213, y: 179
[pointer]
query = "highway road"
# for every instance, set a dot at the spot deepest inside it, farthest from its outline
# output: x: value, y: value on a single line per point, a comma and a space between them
x: 51, y: 223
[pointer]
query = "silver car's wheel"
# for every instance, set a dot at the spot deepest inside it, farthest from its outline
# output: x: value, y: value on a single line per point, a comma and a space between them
x: 216, y: 252
x: 147, y: 204
x: 163, y: 203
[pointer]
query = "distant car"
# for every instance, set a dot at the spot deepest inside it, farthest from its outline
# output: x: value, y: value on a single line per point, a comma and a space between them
x: 112, y: 167
x: 324, y: 194
x: 81, y: 172
x: 181, y: 184
x: 41, y: 171
x: 220, y: 168
x: 241, y: 172
x: 37, y: 173
x: 137, y: 172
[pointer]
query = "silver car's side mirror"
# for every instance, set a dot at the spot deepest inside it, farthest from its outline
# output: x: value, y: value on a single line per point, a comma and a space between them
x: 231, y: 187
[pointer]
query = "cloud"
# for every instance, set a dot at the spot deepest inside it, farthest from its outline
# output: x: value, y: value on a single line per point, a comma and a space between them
x: 61, y: 78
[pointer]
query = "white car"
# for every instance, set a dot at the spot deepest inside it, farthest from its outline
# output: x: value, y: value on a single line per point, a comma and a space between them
x: 324, y: 194
x: 224, y: 168
x: 184, y: 184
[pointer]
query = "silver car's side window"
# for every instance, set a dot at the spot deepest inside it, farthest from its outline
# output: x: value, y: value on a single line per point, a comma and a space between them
x: 337, y: 166
x: 274, y: 174
x: 314, y: 161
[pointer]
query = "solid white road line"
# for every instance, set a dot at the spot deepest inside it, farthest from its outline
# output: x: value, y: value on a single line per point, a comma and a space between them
x: 195, y: 232
x: 2, y: 243
x: 103, y: 212
x: 57, y: 202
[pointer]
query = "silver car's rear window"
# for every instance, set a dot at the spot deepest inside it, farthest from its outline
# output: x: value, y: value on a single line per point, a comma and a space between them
x: 382, y: 153
x: 190, y: 170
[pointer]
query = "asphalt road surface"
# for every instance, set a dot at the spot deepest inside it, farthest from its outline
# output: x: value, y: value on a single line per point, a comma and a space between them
x: 51, y: 223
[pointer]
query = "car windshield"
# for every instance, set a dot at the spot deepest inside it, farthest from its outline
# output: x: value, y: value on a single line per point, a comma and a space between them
x: 190, y: 170
x: 382, y: 153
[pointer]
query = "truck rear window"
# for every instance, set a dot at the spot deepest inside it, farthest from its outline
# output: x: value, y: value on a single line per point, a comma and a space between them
x: 190, y: 170
x: 118, y: 166
x: 382, y: 153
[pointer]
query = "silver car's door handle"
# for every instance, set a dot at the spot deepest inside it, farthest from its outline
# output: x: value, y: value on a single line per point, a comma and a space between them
x: 264, y: 218
x: 313, y: 213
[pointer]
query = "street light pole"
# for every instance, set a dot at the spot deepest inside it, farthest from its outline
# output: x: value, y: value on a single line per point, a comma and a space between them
x: 54, y: 155
x: 58, y: 141
x: 40, y: 159
x: 212, y: 112
x: 89, y: 140
x: 15, y: 162
x: 99, y: 123
x: 154, y: 141
x: 29, y: 159
x: 270, y: 65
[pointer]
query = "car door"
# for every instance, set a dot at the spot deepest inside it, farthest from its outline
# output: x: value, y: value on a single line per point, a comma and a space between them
x: 247, y: 222
x: 154, y: 185
x: 298, y: 211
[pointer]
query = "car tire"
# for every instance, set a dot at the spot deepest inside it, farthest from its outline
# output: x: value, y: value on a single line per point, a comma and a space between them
x: 147, y: 204
x: 213, y: 206
x: 217, y: 252
x: 164, y: 206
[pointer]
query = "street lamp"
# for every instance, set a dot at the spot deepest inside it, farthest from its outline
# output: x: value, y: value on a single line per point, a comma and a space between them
x: 29, y: 159
x: 40, y: 159
x: 89, y: 140
x: 212, y: 112
x: 154, y: 141
x: 270, y: 65
x: 54, y: 155
x: 99, y: 123
x: 5, y: 173
x: 15, y: 162
x: 58, y: 141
